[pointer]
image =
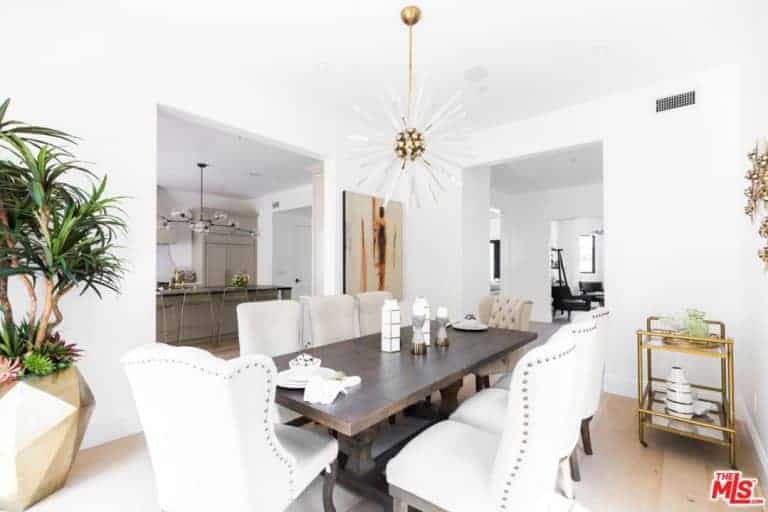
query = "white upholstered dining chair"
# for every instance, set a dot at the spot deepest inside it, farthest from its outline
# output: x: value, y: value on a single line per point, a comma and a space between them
x: 594, y: 372
x: 270, y: 328
x: 504, y: 313
x: 511, y: 470
x: 332, y: 318
x: 484, y: 409
x: 211, y: 440
x: 369, y: 306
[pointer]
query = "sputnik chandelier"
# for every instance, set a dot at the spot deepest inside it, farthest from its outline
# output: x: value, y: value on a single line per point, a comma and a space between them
x: 414, y: 143
x: 218, y: 223
x: 757, y: 195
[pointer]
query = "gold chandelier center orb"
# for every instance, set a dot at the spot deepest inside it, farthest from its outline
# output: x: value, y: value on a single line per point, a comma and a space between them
x: 410, y: 15
x: 409, y: 144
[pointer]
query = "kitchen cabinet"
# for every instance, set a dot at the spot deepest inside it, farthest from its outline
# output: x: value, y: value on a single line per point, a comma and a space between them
x: 224, y: 260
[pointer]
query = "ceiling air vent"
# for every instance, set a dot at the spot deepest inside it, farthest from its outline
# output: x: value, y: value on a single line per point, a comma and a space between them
x: 676, y: 101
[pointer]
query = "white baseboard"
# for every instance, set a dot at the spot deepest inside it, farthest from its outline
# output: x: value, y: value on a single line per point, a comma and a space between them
x: 620, y: 386
x: 742, y: 413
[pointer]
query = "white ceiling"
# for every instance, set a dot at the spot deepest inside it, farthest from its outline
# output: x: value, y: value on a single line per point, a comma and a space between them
x: 567, y: 167
x: 538, y: 56
x: 240, y: 165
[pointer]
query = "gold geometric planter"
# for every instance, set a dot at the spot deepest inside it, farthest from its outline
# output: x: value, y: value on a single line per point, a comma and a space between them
x: 42, y: 423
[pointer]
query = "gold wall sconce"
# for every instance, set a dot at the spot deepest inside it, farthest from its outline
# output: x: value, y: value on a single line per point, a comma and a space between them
x: 757, y: 196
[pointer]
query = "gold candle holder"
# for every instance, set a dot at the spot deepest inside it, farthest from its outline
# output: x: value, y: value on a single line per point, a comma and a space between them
x: 418, y: 346
x: 442, y: 332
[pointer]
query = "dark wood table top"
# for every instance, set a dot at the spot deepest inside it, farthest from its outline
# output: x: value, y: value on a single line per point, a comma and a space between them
x: 393, y: 381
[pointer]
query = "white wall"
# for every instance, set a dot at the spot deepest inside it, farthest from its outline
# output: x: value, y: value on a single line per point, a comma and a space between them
x: 567, y: 238
x: 752, y: 347
x: 672, y: 198
x: 475, y: 264
x: 525, y: 271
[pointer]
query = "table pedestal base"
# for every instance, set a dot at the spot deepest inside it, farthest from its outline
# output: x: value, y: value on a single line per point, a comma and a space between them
x: 365, y: 474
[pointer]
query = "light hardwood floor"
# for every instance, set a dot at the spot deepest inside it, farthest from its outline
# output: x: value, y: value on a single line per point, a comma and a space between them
x: 671, y: 475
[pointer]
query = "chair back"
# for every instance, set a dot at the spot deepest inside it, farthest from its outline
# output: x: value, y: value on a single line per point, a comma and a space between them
x: 526, y: 463
x: 484, y: 308
x: 583, y: 330
x: 208, y: 429
x: 369, y: 309
x: 594, y: 363
x: 505, y: 312
x: 332, y: 318
x: 561, y: 293
x: 590, y: 286
x: 270, y: 327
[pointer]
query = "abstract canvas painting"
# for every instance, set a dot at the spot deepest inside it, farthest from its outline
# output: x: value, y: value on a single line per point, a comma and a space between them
x: 373, y: 245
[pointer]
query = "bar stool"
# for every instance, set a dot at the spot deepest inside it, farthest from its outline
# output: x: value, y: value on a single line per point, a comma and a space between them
x: 192, y: 297
x: 164, y: 305
x: 230, y: 296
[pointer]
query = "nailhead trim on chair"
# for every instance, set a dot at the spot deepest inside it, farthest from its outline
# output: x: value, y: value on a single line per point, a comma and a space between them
x: 268, y: 401
x: 526, y: 416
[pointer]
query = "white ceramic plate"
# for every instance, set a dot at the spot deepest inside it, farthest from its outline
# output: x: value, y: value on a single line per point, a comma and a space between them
x: 297, y: 378
x: 470, y: 326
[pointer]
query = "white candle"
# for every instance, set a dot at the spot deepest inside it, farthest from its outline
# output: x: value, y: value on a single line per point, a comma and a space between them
x: 442, y: 312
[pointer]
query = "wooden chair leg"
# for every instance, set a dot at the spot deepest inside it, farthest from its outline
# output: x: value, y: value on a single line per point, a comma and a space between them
x: 564, y: 479
x: 482, y: 382
x: 399, y: 505
x: 574, y: 462
x: 329, y: 481
x: 586, y: 438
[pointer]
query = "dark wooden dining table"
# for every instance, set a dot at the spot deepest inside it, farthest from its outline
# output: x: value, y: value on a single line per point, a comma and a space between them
x: 392, y: 382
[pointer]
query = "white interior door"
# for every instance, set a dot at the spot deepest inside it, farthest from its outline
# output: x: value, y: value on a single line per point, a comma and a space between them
x: 302, y: 261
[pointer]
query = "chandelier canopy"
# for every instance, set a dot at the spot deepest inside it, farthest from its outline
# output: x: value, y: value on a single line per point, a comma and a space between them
x: 426, y: 145
x: 218, y: 223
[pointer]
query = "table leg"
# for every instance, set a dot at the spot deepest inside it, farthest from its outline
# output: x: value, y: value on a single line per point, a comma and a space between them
x: 358, y: 451
x: 449, y: 398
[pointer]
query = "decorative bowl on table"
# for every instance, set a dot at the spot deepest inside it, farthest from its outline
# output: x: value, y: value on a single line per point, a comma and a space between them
x: 304, y: 360
x: 470, y: 323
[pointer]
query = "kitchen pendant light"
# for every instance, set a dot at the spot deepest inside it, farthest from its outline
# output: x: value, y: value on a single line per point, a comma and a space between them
x: 218, y: 223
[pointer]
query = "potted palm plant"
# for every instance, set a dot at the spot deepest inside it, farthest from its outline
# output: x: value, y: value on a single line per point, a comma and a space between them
x: 56, y: 237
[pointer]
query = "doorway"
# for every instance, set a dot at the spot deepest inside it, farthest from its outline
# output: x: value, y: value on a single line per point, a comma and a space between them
x: 551, y: 204
x: 292, y: 250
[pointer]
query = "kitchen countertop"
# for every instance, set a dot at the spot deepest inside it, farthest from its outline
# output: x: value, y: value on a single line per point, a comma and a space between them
x: 218, y: 289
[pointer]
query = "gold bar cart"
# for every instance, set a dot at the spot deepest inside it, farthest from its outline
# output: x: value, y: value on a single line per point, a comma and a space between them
x: 718, y: 426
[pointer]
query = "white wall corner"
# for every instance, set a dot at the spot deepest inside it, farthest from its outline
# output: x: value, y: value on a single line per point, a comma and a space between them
x: 743, y: 414
x: 620, y: 385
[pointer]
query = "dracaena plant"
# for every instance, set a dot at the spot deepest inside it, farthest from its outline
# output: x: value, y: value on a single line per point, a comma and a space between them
x: 56, y: 236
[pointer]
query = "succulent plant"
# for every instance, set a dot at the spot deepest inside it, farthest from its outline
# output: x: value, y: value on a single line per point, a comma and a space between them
x: 10, y: 369
x: 61, y: 353
x: 38, y: 364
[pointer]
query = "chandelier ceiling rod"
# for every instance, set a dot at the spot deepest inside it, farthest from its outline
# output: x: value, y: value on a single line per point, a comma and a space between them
x: 202, y: 166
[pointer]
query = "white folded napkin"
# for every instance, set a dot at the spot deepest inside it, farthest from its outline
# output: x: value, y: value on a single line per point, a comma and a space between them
x: 321, y: 390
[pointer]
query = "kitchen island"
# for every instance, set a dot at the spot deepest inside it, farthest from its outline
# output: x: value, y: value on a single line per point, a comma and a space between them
x: 198, y: 314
